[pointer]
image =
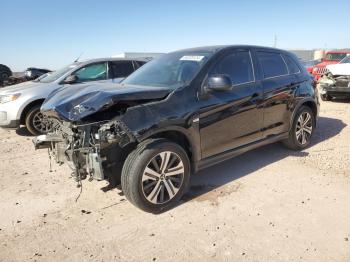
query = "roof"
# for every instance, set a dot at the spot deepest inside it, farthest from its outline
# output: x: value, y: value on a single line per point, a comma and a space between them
x: 217, y: 48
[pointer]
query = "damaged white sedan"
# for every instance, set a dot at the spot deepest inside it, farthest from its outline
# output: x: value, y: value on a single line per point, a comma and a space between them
x: 336, y: 83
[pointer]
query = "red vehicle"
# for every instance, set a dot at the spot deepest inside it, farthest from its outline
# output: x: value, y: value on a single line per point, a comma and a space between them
x: 331, y: 57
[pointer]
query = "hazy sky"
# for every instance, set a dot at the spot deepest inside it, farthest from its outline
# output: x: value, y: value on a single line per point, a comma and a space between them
x: 53, y: 33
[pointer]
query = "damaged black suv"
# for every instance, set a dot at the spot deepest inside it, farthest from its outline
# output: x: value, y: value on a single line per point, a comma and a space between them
x: 179, y: 113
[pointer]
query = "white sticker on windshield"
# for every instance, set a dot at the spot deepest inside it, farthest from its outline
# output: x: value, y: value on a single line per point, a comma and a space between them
x: 196, y: 58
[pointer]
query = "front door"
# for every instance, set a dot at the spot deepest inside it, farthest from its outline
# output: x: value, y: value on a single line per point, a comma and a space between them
x: 232, y: 118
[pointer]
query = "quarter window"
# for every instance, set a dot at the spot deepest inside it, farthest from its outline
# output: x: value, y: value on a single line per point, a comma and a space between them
x: 238, y: 66
x: 292, y: 66
x: 92, y: 72
x: 121, y: 68
x: 272, y: 64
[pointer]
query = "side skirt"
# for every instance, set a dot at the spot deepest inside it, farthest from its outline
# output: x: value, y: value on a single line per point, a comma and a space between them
x: 213, y: 160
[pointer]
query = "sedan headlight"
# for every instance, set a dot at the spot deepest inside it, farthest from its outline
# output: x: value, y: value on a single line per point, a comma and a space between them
x: 8, y: 98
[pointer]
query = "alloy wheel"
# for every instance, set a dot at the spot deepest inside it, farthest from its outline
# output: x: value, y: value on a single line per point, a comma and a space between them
x: 163, y: 177
x: 304, y: 128
x: 41, y: 123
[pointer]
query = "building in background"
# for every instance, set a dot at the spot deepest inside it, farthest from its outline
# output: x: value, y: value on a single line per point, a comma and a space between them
x: 313, y: 54
x: 138, y: 55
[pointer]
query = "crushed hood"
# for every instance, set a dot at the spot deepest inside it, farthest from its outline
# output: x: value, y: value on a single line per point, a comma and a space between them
x: 339, y: 69
x: 75, y: 102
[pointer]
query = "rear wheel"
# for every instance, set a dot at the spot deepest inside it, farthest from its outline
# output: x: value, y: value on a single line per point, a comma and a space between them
x: 302, y: 129
x: 36, y: 122
x: 155, y: 175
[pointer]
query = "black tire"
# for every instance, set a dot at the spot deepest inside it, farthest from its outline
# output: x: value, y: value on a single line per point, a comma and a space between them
x: 29, y: 120
x: 5, y: 73
x: 326, y: 97
x: 134, y: 170
x: 293, y: 142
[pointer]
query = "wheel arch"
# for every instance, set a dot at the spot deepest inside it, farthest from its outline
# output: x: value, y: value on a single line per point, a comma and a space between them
x: 28, y: 107
x: 180, y: 136
x: 305, y: 102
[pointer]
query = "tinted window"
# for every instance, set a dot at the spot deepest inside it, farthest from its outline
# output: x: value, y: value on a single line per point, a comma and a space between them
x: 121, y: 68
x: 292, y: 66
x: 272, y: 64
x: 92, y: 72
x: 139, y: 63
x: 238, y: 66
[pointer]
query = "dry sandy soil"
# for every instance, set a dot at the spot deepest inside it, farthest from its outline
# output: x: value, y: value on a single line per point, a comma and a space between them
x: 270, y: 204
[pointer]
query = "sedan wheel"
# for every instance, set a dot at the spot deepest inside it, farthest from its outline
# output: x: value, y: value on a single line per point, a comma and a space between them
x: 41, y: 123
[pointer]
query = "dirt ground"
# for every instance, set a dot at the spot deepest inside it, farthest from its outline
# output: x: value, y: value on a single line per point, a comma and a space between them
x: 270, y: 204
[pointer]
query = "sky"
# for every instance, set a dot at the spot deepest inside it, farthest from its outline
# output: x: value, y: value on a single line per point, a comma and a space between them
x: 52, y: 34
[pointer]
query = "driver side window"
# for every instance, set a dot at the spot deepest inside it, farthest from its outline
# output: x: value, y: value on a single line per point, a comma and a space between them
x: 92, y: 72
x: 238, y: 66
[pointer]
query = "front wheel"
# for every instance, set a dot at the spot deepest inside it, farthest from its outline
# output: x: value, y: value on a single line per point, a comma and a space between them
x: 302, y: 129
x: 36, y: 122
x: 155, y: 175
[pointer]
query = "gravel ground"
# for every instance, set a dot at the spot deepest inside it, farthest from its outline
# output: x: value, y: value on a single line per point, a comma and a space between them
x: 270, y: 204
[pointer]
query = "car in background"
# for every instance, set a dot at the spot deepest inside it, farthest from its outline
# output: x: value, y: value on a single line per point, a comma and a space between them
x: 20, y: 104
x: 5, y: 73
x: 336, y: 83
x: 309, y: 64
x: 33, y: 73
x: 331, y: 57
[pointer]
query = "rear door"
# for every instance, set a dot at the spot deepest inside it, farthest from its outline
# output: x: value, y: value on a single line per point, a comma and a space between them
x: 120, y: 69
x: 232, y: 118
x: 278, y: 85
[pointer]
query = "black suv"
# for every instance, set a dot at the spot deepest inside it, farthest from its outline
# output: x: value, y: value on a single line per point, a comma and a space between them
x: 179, y: 113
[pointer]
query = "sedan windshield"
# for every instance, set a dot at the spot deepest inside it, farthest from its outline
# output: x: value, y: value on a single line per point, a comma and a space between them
x: 345, y: 60
x: 171, y: 70
x: 335, y: 56
x: 50, y: 77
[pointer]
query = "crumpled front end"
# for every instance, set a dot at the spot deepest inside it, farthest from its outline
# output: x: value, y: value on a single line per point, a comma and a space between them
x: 91, y: 150
x: 334, y: 86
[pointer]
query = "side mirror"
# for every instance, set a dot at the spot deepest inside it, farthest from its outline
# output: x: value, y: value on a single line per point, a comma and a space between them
x: 219, y: 83
x: 71, y: 79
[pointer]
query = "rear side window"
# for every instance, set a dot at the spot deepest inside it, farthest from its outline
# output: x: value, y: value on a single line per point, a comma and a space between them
x: 292, y: 66
x: 272, y: 64
x: 121, y: 68
x: 238, y: 66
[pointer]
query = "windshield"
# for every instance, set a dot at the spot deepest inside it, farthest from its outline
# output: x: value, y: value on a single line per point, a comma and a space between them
x: 50, y: 77
x: 171, y: 70
x: 345, y: 60
x: 335, y: 56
